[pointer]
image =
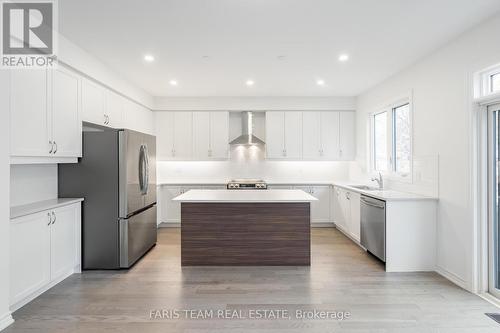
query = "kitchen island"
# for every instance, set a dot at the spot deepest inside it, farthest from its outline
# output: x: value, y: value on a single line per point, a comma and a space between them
x: 245, y: 227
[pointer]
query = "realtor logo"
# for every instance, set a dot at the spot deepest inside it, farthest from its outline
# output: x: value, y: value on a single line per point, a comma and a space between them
x: 28, y: 34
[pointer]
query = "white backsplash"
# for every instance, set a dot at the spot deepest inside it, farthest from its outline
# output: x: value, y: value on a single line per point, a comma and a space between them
x: 424, y: 179
x: 249, y: 162
x: 31, y: 183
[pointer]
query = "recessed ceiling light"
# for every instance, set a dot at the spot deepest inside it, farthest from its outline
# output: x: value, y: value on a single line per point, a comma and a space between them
x: 149, y: 58
x: 343, y: 57
x: 173, y: 82
x: 250, y: 83
x: 320, y: 82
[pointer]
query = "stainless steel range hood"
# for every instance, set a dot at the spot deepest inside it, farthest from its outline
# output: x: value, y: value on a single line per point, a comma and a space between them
x: 247, y: 137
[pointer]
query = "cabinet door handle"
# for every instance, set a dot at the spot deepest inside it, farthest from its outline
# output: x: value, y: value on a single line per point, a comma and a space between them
x: 55, y: 218
x: 55, y: 151
x: 50, y: 219
x: 51, y: 147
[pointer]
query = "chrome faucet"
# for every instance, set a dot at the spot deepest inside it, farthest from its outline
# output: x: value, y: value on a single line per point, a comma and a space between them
x: 379, y: 180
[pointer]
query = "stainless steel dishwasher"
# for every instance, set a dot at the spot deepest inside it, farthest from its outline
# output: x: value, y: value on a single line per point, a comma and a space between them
x: 373, y: 226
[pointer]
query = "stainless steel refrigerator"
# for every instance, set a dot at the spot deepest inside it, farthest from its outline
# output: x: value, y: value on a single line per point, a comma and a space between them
x: 117, y: 178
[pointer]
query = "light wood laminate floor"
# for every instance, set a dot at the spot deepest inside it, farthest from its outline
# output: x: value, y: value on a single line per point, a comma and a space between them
x: 341, y: 277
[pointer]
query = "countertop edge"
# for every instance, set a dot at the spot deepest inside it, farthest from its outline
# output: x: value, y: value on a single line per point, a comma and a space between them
x: 40, y: 206
x: 410, y: 196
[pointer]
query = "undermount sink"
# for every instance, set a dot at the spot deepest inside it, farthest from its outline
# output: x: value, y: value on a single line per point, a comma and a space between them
x: 364, y: 187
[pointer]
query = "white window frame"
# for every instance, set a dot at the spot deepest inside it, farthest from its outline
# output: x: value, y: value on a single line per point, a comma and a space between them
x: 483, y: 78
x: 391, y: 172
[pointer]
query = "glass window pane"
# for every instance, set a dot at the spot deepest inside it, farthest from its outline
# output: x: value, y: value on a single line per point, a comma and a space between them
x: 380, y: 141
x: 495, y: 82
x: 402, y: 139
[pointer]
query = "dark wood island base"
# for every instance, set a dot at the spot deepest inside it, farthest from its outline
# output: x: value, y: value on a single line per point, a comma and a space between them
x: 245, y: 234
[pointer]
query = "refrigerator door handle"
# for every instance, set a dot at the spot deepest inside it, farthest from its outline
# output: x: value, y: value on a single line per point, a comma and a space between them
x: 142, y: 170
x: 146, y: 156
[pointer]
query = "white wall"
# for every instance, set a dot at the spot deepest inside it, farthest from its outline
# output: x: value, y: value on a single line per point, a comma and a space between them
x: 5, y: 317
x: 30, y: 183
x: 79, y: 59
x: 254, y: 103
x: 442, y: 98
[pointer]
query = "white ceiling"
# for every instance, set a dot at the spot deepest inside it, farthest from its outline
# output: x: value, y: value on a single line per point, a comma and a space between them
x: 244, y: 38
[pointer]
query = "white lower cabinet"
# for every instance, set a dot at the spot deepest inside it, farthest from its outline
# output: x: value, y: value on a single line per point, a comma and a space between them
x: 320, y: 210
x: 171, y: 210
x: 30, y: 255
x: 44, y: 249
x: 346, y: 212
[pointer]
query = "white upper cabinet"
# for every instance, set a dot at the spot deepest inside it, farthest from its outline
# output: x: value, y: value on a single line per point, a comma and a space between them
x: 192, y: 135
x: 201, y: 135
x: 275, y: 134
x: 102, y: 106
x: 164, y: 122
x: 347, y: 137
x: 219, y: 135
x: 293, y: 135
x: 45, y: 116
x: 93, y: 103
x: 311, y: 142
x: 114, y: 109
x: 284, y: 135
x: 66, y: 122
x: 174, y: 135
x: 329, y: 133
x: 137, y: 118
x: 30, y: 119
x: 183, y: 135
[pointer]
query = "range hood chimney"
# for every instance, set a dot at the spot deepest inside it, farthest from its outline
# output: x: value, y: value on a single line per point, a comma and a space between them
x: 247, y: 137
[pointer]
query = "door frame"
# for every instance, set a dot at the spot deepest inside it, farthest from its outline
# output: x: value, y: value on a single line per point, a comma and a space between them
x: 492, y: 188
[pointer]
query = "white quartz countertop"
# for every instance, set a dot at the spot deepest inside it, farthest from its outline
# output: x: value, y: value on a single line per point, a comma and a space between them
x: 387, y: 195
x: 245, y: 196
x: 40, y: 206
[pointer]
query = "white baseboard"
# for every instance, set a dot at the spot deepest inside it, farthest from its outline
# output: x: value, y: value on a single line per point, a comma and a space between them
x: 6, y: 320
x: 452, y: 277
x: 22, y: 302
x: 169, y: 225
x: 322, y: 225
x: 490, y: 298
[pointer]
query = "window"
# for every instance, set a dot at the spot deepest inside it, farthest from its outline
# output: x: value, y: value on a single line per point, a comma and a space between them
x: 495, y: 82
x: 392, y: 141
x: 402, y: 139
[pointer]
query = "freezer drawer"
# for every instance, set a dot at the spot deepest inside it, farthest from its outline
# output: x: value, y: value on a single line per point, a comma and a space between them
x: 137, y: 236
x: 373, y: 226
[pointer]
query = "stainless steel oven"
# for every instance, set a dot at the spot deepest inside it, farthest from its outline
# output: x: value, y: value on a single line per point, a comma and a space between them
x: 373, y: 226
